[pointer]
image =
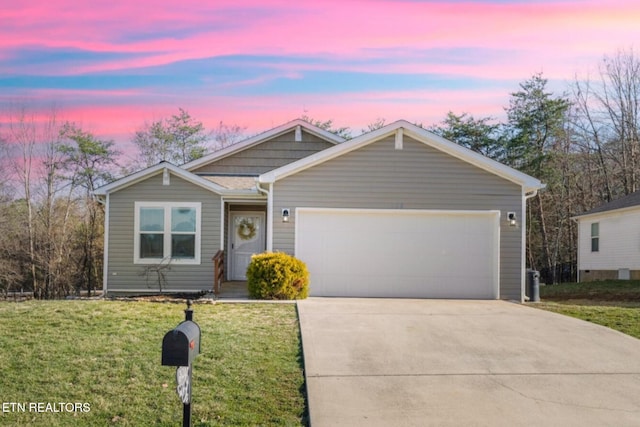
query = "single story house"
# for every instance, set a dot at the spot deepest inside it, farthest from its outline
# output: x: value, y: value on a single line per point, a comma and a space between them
x: 396, y: 212
x: 609, y: 240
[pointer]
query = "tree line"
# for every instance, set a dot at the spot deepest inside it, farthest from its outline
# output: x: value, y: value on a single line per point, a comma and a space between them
x: 583, y: 143
x: 51, y: 226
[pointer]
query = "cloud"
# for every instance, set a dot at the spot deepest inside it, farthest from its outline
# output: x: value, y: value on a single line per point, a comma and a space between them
x: 114, y: 64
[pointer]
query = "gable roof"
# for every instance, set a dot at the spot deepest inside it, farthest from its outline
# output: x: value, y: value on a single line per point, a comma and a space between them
x: 402, y: 127
x: 629, y: 201
x: 159, y: 168
x: 262, y: 137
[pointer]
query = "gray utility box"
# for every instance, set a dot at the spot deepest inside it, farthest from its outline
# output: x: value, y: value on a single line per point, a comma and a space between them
x: 181, y: 345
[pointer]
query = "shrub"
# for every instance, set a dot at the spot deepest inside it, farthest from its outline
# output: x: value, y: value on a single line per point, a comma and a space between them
x: 276, y: 275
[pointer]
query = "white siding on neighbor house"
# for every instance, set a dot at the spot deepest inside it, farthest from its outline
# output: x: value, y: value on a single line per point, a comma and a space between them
x: 378, y: 176
x: 122, y: 273
x: 619, y: 241
x: 266, y: 156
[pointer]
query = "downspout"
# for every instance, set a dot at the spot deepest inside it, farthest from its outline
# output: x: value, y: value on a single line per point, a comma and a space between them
x: 523, y: 280
x: 223, y: 216
x: 269, y: 194
x: 105, y: 251
x: 577, y: 221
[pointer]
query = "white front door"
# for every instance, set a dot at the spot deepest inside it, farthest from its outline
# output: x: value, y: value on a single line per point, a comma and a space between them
x: 246, y: 237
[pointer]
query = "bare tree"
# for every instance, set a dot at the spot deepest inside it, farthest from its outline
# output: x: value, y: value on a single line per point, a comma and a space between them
x: 608, y: 121
x: 619, y: 99
x: 22, y: 135
x: 590, y: 141
x: 225, y: 135
x: 375, y: 125
x: 9, y: 263
x: 88, y: 162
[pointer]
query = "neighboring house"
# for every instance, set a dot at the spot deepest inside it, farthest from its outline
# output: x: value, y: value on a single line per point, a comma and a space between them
x: 397, y: 212
x: 609, y: 240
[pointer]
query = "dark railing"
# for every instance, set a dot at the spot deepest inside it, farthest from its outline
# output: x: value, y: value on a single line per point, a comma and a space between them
x: 218, y: 271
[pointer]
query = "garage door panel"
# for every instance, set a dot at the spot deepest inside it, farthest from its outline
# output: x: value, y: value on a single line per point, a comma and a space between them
x: 420, y: 254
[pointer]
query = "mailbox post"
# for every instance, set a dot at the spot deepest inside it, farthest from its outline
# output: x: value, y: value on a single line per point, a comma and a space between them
x: 180, y: 346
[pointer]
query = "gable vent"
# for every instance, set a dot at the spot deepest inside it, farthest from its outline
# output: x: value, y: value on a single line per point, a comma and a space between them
x: 298, y: 133
x: 399, y: 137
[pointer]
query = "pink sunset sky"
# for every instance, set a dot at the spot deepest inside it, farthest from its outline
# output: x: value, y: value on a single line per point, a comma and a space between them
x: 110, y: 66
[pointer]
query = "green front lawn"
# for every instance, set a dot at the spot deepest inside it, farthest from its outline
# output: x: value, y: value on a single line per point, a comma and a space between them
x: 107, y: 354
x: 614, y: 304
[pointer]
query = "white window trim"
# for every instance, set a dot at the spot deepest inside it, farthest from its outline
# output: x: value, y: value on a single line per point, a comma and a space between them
x: 597, y: 236
x: 167, y: 232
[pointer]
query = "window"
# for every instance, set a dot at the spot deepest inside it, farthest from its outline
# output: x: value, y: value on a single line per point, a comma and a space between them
x: 167, y: 231
x: 595, y: 237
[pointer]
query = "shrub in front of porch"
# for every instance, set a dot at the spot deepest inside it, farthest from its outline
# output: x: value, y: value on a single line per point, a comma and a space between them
x: 276, y: 275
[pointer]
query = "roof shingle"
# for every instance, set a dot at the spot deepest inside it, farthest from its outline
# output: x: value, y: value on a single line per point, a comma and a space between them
x: 627, y: 201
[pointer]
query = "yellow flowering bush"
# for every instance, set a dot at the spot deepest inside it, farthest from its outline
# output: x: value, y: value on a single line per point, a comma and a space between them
x: 277, y: 275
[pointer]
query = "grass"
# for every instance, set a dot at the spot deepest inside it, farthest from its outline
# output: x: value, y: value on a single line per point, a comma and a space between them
x: 107, y: 354
x: 614, y: 304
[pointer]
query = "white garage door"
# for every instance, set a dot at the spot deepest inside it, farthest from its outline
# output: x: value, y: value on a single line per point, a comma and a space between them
x: 400, y: 253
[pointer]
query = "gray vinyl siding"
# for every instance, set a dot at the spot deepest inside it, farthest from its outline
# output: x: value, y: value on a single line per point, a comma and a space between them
x: 269, y: 155
x: 123, y: 274
x: 378, y: 176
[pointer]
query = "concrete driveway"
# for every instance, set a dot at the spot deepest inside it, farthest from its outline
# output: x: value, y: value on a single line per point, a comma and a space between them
x: 389, y: 362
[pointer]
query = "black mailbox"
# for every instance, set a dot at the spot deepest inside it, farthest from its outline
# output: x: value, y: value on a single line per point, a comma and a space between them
x: 181, y: 345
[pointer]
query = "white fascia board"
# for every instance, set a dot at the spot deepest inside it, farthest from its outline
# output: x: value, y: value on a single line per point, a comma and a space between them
x: 262, y: 137
x: 242, y: 194
x: 156, y: 169
x: 315, y: 130
x: 105, y: 249
x: 527, y: 182
x: 325, y: 155
x: 128, y: 180
x: 606, y: 214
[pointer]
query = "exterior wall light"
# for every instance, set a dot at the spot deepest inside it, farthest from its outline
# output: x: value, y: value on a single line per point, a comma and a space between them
x: 285, y: 215
x: 513, y: 220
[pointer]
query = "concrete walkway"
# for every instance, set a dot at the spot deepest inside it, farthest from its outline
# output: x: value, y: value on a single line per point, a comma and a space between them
x: 384, y: 362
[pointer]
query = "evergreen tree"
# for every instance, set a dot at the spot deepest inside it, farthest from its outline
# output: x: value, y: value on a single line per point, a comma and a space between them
x: 179, y: 139
x: 479, y: 135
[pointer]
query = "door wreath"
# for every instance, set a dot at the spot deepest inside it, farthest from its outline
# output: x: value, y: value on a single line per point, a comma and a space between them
x: 246, y: 229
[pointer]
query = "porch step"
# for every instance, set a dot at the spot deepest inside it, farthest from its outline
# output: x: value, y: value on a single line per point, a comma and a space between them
x: 234, y: 290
